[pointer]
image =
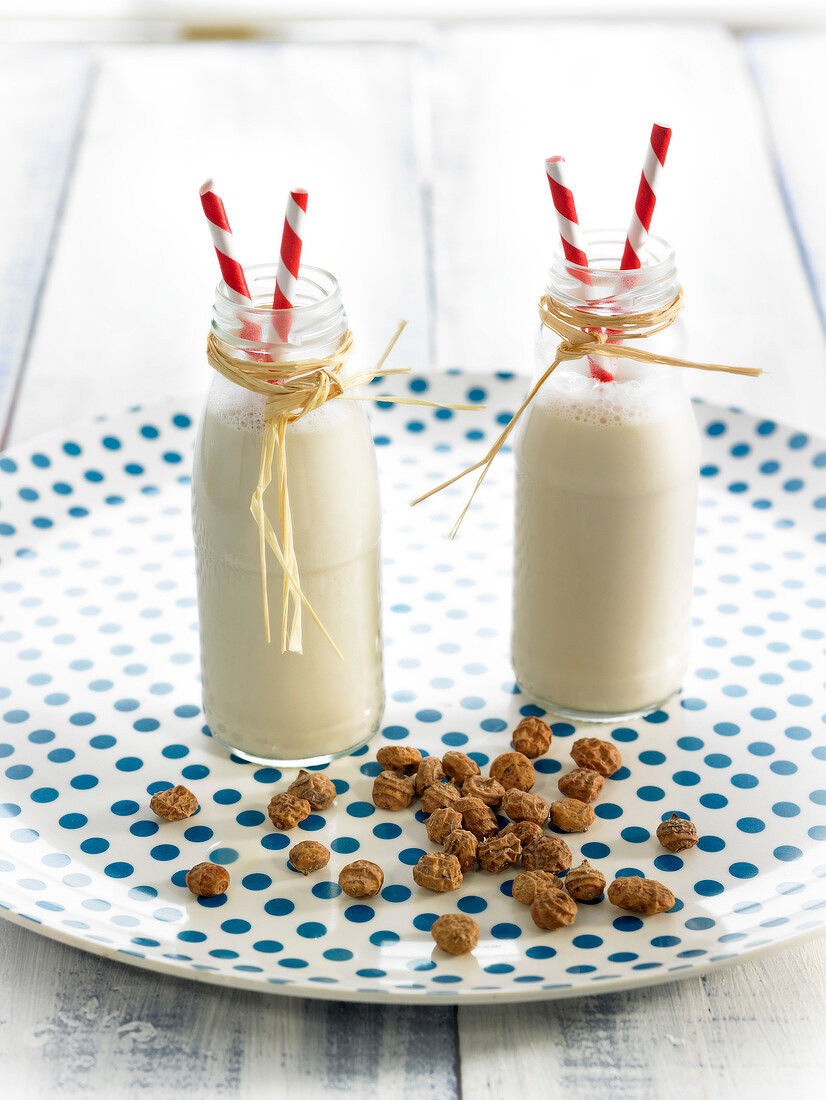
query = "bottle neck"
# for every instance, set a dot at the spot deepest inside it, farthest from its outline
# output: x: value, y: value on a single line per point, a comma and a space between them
x: 604, y: 289
x: 314, y: 329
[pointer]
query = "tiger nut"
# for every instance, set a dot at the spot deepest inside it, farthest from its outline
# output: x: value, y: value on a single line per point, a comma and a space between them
x: 530, y: 883
x: 459, y: 766
x: 456, y: 933
x: 676, y: 834
x: 309, y: 856
x: 393, y: 790
x: 361, y: 879
x: 498, y: 852
x: 285, y: 810
x: 553, y: 909
x: 438, y: 871
x: 640, y: 895
x: 585, y: 883
x: 527, y: 831
x: 487, y: 790
x: 547, y: 853
x: 438, y: 795
x: 582, y: 783
x: 532, y: 737
x: 599, y: 756
x: 430, y: 772
x: 174, y: 804
x: 403, y: 758
x: 442, y: 822
x: 572, y: 816
x: 513, y: 769
x: 478, y: 818
x: 207, y: 880
x: 316, y: 788
x: 521, y: 806
x: 464, y: 845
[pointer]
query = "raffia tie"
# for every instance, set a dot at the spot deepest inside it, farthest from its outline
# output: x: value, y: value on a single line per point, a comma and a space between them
x: 580, y: 334
x: 293, y: 389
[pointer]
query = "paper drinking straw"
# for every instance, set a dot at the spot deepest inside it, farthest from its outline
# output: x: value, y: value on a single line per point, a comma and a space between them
x: 573, y: 245
x: 231, y: 269
x: 286, y: 279
x: 646, y: 197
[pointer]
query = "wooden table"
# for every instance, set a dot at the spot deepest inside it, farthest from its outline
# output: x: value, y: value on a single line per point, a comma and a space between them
x: 423, y: 157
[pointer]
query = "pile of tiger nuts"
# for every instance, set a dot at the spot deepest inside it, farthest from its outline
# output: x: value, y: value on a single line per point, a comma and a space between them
x: 461, y: 804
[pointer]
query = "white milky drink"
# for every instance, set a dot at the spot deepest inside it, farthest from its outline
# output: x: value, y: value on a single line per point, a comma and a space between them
x: 262, y: 703
x: 605, y: 502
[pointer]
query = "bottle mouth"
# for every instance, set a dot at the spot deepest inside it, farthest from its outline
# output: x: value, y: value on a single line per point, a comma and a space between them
x: 315, y: 289
x: 603, y: 287
x: 315, y: 323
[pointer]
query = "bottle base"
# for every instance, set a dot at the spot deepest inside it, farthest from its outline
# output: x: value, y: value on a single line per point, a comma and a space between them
x: 596, y: 717
x: 298, y: 762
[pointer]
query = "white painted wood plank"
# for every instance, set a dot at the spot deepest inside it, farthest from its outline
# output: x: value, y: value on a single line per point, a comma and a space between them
x: 42, y: 92
x: 755, y: 1030
x: 125, y: 314
x: 790, y: 70
x: 510, y: 95
x: 74, y: 1026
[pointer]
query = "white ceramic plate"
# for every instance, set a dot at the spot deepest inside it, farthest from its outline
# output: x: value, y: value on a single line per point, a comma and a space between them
x: 99, y: 707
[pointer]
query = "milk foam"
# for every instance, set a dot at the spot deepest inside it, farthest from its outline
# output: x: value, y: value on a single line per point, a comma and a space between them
x: 576, y: 397
x: 243, y: 410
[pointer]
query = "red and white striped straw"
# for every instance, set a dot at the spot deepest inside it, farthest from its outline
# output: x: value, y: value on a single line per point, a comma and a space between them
x: 573, y: 245
x: 218, y: 223
x: 646, y: 197
x: 566, y: 215
x: 231, y: 267
x: 286, y: 279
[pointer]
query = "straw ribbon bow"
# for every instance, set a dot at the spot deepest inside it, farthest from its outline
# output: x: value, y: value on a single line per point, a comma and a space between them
x: 293, y: 389
x: 581, y: 334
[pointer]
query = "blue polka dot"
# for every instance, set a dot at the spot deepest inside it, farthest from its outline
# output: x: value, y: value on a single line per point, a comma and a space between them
x: 395, y: 894
x: 275, y: 842
x: 595, y: 849
x: 387, y: 831
x: 411, y: 856
x: 787, y: 853
x: 326, y: 890
x: 359, y: 914
x: 635, y: 834
x: 236, y: 926
x: 311, y: 930
x: 279, y: 907
x: 361, y: 809
x: 224, y: 856
x: 165, y: 852
x: 474, y: 904
x: 743, y: 870
x: 344, y: 845
x: 228, y: 796
x: 751, y: 825
x: 708, y: 887
x: 428, y: 715
x: 72, y: 821
x: 587, y: 942
x: 650, y: 794
x: 627, y: 924
x: 44, y: 794
x: 119, y: 870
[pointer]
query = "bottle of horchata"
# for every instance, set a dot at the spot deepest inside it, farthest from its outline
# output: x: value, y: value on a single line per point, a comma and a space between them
x: 263, y: 703
x: 606, y: 490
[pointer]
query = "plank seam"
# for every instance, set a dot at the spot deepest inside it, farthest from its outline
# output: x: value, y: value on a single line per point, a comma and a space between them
x: 75, y: 144
x: 783, y: 184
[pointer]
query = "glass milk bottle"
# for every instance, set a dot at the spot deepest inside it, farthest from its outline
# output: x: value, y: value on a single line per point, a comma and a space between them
x: 606, y: 492
x: 266, y: 705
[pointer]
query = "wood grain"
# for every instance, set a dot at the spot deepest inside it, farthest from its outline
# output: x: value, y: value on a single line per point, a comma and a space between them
x: 73, y: 1025
x: 126, y: 310
x: 790, y: 70
x: 753, y: 1030
x: 506, y: 97
x: 43, y: 93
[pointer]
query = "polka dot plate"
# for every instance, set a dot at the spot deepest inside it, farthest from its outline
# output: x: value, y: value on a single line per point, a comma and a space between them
x: 100, y: 708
